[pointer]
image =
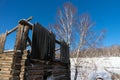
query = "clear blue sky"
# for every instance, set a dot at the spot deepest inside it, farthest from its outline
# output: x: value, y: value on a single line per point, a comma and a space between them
x: 105, y: 13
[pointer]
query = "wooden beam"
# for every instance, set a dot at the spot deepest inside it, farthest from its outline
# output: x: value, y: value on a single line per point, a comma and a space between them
x: 30, y: 18
x: 24, y: 22
x: 12, y: 30
x: 57, y: 41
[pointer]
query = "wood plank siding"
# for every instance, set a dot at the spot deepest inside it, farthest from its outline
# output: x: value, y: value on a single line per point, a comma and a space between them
x: 43, y: 43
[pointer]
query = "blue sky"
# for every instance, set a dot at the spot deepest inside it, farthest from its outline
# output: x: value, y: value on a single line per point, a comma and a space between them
x: 105, y: 13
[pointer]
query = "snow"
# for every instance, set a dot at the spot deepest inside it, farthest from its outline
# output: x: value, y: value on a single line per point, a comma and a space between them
x: 90, y: 68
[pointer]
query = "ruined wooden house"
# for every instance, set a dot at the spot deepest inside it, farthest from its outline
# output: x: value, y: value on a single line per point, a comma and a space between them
x: 38, y: 62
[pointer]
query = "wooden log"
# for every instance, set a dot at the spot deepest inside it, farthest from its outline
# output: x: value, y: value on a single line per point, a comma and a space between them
x: 14, y: 78
x: 6, y: 58
x: 59, y: 77
x: 30, y: 18
x: 35, y: 72
x: 15, y: 72
x: 4, y: 72
x: 62, y: 78
x: 34, y: 67
x: 5, y: 64
x: 5, y: 75
x: 7, y: 54
x: 4, y: 78
x: 5, y: 69
x: 36, y: 77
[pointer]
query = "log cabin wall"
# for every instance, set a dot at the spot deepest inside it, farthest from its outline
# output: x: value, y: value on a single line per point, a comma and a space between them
x: 31, y: 69
x: 41, y: 70
x: 5, y: 64
x: 10, y: 69
x: 18, y: 66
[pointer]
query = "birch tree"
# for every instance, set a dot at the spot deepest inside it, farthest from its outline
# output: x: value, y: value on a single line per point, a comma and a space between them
x: 67, y: 26
x: 65, y: 22
x: 88, y: 38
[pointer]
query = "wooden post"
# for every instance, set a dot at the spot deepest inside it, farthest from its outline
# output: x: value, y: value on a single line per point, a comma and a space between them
x: 21, y: 38
x: 2, y: 41
x: 64, y: 56
x: 18, y: 37
x: 64, y: 52
x: 25, y: 37
x: 21, y: 43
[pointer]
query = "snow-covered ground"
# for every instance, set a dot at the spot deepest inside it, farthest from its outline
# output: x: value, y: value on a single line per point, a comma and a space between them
x: 90, y: 68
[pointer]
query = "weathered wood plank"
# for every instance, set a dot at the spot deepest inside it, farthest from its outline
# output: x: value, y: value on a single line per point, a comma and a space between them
x: 40, y: 41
